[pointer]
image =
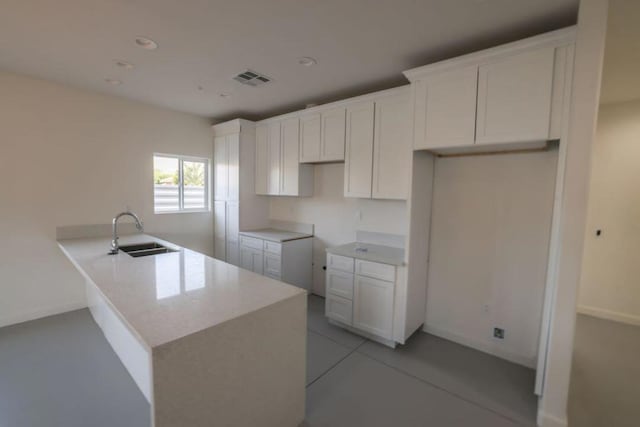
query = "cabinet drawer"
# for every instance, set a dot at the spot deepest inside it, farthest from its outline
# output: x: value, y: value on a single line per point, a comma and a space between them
x: 338, y: 308
x: 272, y: 247
x: 272, y: 265
x: 342, y: 263
x: 251, y: 242
x: 340, y: 283
x: 376, y: 270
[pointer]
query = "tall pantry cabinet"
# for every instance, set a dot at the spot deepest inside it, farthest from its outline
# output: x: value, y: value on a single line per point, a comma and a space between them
x: 236, y: 206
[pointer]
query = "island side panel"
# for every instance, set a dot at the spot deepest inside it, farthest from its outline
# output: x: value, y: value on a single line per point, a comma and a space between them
x: 249, y: 371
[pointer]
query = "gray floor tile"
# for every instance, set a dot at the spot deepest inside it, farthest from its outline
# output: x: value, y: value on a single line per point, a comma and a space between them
x: 605, y: 376
x: 322, y: 355
x: 317, y: 322
x: 60, y: 371
x: 496, y: 384
x: 363, y: 392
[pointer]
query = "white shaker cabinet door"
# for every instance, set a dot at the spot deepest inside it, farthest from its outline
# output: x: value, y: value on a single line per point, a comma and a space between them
x: 445, y: 109
x: 220, y: 168
x: 220, y: 229
x: 233, y: 230
x: 274, y: 159
x: 514, y: 98
x: 392, y: 148
x: 262, y: 160
x: 233, y: 164
x: 310, y: 138
x: 338, y: 308
x: 332, y: 134
x: 290, y: 166
x: 358, y: 168
x: 373, y: 306
x: 251, y: 259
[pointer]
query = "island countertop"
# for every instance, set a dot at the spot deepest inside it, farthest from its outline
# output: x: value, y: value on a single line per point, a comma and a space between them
x: 165, y: 297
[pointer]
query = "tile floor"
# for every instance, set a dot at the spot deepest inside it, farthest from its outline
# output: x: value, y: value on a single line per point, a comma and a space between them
x: 60, y: 371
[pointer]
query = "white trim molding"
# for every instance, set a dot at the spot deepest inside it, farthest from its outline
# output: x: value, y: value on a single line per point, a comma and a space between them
x: 615, y: 316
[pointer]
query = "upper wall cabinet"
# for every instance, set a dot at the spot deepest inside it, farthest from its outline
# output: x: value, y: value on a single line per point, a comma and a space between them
x: 278, y: 171
x: 322, y: 136
x: 445, y: 107
x: 509, y: 94
x: 378, y: 147
x: 514, y: 98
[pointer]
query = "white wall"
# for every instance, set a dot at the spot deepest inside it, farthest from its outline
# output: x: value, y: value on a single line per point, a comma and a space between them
x: 75, y: 157
x: 610, y: 285
x: 491, y: 221
x: 337, y: 218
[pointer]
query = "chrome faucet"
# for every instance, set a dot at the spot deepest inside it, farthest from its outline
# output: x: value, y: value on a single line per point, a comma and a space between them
x: 114, y: 243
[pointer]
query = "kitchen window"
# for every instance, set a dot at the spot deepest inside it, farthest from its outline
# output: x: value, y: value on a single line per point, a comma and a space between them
x: 180, y: 184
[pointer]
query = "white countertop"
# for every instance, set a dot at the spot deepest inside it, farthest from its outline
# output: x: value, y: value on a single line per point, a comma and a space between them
x: 273, y: 235
x: 375, y: 253
x: 169, y: 296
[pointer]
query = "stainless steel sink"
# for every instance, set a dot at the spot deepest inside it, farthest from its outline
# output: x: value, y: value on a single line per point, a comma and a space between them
x: 145, y: 249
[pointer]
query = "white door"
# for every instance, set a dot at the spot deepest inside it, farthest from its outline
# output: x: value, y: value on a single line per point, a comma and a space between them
x: 392, y: 149
x: 233, y: 230
x: 233, y: 155
x: 445, y: 109
x: 272, y: 266
x: 332, y: 135
x: 310, y: 138
x: 514, y: 98
x: 220, y: 230
x: 358, y: 165
x: 290, y: 165
x: 340, y: 283
x: 273, y: 165
x: 220, y: 168
x: 373, y: 306
x: 262, y: 161
x: 246, y: 258
x: 338, y: 308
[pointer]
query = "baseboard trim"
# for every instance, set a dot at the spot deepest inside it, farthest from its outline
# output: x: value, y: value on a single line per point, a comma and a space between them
x: 547, y: 420
x: 511, y: 357
x: 615, y: 316
x: 37, y: 314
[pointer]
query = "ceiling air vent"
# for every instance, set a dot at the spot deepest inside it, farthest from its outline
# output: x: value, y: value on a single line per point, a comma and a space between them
x: 251, y: 78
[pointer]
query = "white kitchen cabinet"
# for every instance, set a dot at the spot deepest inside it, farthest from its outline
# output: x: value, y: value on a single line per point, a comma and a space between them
x: 235, y: 203
x: 445, y: 109
x: 514, y: 98
x: 220, y: 229
x: 358, y: 167
x: 339, y: 309
x: 251, y: 259
x: 278, y: 168
x: 392, y: 147
x: 289, y: 261
x: 221, y: 167
x: 373, y: 306
x: 310, y: 138
x: 360, y: 295
x: 262, y: 160
x: 295, y: 179
x: 332, y: 135
x: 273, y: 158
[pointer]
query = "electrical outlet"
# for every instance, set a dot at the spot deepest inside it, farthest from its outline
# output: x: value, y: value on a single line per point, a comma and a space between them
x: 498, y: 333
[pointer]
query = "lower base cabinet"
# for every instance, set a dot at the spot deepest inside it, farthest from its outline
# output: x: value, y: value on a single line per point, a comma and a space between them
x: 360, y: 296
x: 289, y: 261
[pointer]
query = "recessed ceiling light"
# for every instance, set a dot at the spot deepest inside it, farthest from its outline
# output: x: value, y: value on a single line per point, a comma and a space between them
x: 124, y: 64
x: 146, y: 43
x: 200, y: 88
x: 307, y: 61
x: 113, y: 82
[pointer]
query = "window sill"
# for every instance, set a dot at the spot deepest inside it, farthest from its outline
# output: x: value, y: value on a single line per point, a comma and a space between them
x: 183, y: 212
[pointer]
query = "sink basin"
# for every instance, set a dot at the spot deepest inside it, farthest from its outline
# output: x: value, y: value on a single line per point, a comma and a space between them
x: 145, y: 249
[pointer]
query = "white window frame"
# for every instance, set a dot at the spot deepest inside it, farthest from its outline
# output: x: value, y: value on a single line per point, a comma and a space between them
x: 207, y: 184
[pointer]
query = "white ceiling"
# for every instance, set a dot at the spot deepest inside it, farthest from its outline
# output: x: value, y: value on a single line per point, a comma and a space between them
x: 360, y: 45
x: 621, y: 73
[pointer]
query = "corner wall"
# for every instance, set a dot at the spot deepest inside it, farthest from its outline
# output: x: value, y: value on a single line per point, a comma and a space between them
x: 70, y: 157
x: 609, y: 285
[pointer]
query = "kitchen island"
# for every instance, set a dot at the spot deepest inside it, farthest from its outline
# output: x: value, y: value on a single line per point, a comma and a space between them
x: 206, y: 342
